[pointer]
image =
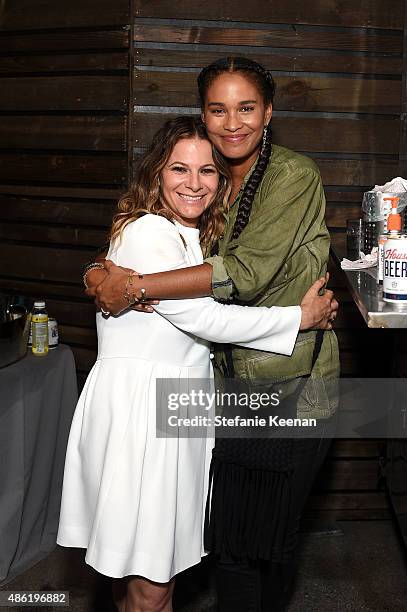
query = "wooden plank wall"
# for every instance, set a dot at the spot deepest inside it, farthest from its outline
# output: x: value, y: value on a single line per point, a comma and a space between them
x: 64, y: 96
x: 338, y: 70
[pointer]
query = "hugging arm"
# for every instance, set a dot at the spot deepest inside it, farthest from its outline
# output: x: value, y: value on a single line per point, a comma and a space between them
x: 153, y: 243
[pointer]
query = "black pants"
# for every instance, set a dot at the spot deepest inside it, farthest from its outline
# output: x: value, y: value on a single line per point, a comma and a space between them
x: 264, y: 586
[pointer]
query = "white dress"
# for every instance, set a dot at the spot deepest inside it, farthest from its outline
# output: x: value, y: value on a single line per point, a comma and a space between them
x: 134, y: 501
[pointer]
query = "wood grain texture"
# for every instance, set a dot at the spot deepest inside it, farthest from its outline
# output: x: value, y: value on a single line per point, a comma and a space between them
x: 83, y: 213
x: 348, y: 13
x: 292, y: 60
x: 67, y: 40
x: 356, y: 172
x: 42, y: 263
x: 336, y: 215
x: 64, y: 191
x: 348, y: 501
x: 19, y: 14
x: 85, y: 133
x: 293, y: 93
x: 35, y: 288
x: 293, y: 38
x: 63, y: 93
x: 356, y: 448
x: 53, y: 234
x: 348, y: 474
x: 67, y: 168
x: 77, y: 63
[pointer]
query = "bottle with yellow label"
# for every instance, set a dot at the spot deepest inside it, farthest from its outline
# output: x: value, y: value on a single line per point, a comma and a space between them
x: 39, y: 329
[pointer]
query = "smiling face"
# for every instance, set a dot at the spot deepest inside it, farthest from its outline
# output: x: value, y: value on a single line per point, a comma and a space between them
x: 189, y: 180
x: 235, y: 115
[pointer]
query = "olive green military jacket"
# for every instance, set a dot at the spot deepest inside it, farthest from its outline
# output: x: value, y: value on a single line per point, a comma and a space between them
x: 281, y: 252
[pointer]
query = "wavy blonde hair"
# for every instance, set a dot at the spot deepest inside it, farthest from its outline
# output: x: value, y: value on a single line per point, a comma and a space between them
x: 144, y: 195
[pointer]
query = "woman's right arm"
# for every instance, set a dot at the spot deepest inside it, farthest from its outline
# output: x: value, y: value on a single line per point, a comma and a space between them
x: 154, y: 244
x: 109, y: 287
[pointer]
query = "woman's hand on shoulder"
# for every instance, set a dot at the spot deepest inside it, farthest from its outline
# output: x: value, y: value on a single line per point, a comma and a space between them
x: 318, y: 311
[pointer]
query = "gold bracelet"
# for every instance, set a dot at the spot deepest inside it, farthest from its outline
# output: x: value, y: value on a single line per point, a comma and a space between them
x: 130, y: 297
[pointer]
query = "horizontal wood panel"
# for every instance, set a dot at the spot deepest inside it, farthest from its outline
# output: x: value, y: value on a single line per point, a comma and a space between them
x: 81, y: 313
x: 356, y: 172
x: 95, y: 133
x: 63, y: 168
x: 85, y: 62
x: 336, y: 215
x: 65, y: 191
x: 354, y: 475
x: 369, y: 14
x: 347, y: 196
x: 359, y: 514
x: 347, y: 501
x: 63, y: 93
x: 305, y: 134
x: 19, y: 14
x: 64, y: 41
x: 294, y: 38
x: 42, y: 263
x: 356, y: 448
x: 341, y: 507
x: 51, y: 211
x: 293, y: 93
x: 37, y: 288
x: 272, y: 59
x: 53, y: 234
x: 78, y: 335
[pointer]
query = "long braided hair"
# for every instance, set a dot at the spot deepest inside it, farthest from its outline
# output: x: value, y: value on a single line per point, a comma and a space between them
x: 263, y: 81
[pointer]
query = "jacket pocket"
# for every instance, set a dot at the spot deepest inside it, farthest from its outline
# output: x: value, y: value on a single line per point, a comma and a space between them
x: 252, y: 365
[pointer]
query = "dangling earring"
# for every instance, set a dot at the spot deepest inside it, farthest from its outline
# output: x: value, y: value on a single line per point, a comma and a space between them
x: 263, y: 144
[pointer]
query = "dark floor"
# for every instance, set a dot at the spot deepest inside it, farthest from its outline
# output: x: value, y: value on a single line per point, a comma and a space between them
x: 361, y: 567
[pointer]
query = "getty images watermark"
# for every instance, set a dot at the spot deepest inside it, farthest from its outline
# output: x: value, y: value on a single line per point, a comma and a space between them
x: 195, y: 408
x: 345, y: 408
x: 207, y: 403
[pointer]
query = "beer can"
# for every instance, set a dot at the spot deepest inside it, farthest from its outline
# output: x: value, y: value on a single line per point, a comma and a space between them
x: 395, y: 269
x: 53, y: 337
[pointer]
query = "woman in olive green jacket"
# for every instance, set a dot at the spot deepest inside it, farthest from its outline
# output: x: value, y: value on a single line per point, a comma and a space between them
x: 274, y: 246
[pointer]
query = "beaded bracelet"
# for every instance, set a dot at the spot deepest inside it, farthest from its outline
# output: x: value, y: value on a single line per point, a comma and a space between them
x: 95, y: 265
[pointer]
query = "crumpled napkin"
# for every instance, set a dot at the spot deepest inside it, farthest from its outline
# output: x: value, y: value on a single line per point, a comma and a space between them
x: 396, y: 185
x: 365, y: 261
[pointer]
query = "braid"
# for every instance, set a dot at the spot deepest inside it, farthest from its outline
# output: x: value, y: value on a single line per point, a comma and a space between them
x: 246, y: 201
x: 265, y: 84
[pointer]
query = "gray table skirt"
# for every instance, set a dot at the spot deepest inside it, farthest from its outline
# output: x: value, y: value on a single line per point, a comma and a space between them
x: 38, y: 396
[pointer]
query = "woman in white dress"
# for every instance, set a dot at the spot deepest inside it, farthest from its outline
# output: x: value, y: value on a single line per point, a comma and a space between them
x: 135, y: 501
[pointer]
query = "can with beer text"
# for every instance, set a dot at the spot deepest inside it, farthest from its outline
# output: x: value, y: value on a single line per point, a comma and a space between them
x: 395, y: 269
